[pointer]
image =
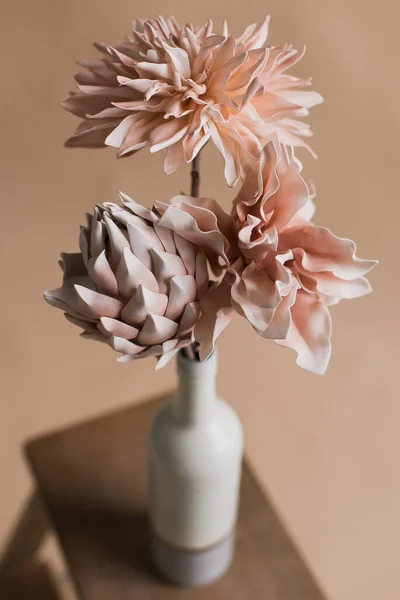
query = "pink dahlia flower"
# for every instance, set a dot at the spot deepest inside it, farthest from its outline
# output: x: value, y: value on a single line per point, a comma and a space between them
x: 136, y: 284
x: 281, y: 271
x: 174, y: 88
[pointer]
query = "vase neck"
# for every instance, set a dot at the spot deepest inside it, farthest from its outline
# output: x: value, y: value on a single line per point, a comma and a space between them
x: 196, y: 395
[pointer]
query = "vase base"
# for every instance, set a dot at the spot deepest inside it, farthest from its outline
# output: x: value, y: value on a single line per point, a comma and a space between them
x: 193, y: 568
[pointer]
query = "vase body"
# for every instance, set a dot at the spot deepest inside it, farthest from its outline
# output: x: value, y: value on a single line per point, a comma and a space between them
x: 195, y: 456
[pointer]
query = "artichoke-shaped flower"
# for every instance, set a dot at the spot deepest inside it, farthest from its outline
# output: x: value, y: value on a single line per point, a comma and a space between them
x: 174, y: 88
x: 136, y: 284
x: 282, y: 272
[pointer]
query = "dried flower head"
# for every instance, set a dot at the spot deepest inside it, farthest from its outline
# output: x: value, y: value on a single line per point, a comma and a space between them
x: 174, y: 88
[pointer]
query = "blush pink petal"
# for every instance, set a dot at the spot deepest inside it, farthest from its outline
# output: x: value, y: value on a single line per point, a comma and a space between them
x: 216, y: 315
x: 309, y: 333
x: 174, y: 88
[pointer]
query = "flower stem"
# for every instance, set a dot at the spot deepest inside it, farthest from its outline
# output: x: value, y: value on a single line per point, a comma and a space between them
x: 191, y: 351
x: 195, y: 177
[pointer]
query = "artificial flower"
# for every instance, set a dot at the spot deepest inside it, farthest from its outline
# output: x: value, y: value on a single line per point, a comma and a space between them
x: 175, y: 88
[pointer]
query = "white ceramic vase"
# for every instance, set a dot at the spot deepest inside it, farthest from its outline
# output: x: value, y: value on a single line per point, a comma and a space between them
x: 195, y: 456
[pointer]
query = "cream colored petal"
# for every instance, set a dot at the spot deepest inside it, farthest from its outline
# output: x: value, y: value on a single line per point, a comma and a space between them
x: 95, y: 305
x: 142, y: 239
x: 156, y: 330
x: 114, y: 327
x: 101, y: 273
x: 137, y: 209
x: 97, y: 243
x: 166, y: 266
x: 166, y: 238
x: 167, y: 134
x: 182, y: 291
x: 174, y: 157
x: 186, y: 225
x: 121, y: 345
x: 84, y: 244
x: 131, y: 273
x: 118, y: 240
x: 65, y: 297
x: 187, y: 252
x: 170, y: 349
x: 142, y: 304
x: 189, y: 319
x: 118, y: 135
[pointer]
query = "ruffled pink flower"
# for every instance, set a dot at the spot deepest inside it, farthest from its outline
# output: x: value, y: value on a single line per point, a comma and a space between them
x: 282, y: 271
x: 320, y: 269
x: 137, y: 283
x: 174, y: 88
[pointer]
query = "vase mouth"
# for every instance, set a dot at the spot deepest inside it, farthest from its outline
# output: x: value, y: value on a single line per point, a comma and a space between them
x: 197, y: 368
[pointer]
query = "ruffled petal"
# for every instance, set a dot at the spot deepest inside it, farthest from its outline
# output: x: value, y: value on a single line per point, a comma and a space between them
x: 309, y: 334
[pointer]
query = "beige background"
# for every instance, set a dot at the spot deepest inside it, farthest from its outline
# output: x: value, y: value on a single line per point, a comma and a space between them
x: 326, y: 449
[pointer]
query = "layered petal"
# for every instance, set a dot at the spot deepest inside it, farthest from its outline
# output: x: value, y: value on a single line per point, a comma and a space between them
x: 174, y: 88
x: 137, y: 283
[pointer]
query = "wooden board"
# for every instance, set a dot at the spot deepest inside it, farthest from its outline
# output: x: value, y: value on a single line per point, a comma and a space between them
x: 92, y: 478
x: 32, y: 582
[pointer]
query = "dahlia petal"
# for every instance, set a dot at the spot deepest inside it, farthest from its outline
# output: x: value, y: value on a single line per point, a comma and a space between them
x: 309, y: 333
x: 225, y: 146
x: 193, y: 143
x: 93, y: 138
x: 95, y: 305
x: 167, y: 134
x: 154, y: 70
x: 183, y: 290
x: 179, y: 60
x: 174, y: 158
x: 256, y: 38
x: 131, y: 273
x: 114, y: 327
x: 156, y: 330
x: 118, y: 135
x: 142, y: 304
x: 166, y: 266
x: 307, y: 99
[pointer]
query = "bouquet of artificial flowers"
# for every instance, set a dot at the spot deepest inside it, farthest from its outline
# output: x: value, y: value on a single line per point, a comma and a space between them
x: 152, y: 282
